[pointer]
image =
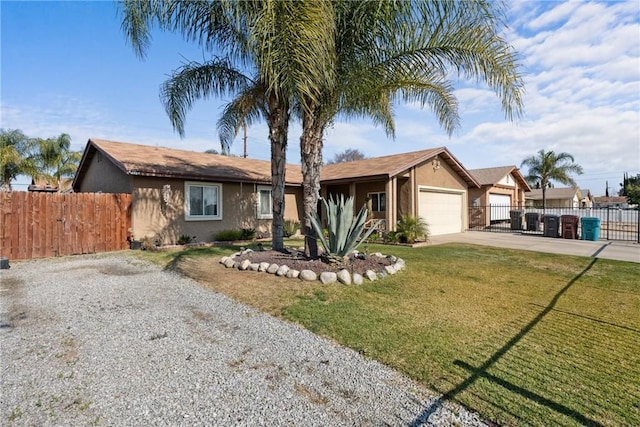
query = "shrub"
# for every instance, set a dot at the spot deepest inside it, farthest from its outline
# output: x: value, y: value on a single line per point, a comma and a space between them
x: 290, y: 227
x: 411, y: 229
x: 228, y: 235
x: 391, y: 237
x: 185, y: 239
x: 248, y: 233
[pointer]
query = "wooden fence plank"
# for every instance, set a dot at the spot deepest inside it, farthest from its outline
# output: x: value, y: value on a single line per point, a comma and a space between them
x: 5, y: 224
x: 49, y: 222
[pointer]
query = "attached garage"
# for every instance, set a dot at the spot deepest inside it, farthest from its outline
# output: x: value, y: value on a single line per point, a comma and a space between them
x: 500, y: 206
x: 442, y: 210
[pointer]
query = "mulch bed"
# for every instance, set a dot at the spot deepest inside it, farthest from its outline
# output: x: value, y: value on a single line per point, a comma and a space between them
x: 296, y: 260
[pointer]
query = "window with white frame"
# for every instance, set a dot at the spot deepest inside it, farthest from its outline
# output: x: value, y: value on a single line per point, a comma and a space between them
x: 265, y: 206
x: 378, y: 202
x: 203, y: 201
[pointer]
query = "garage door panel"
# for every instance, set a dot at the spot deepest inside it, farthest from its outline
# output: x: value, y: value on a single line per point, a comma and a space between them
x: 442, y: 211
x: 500, y: 206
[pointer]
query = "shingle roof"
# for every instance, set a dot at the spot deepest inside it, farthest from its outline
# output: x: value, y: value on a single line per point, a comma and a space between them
x: 146, y: 160
x: 389, y: 166
x: 552, y: 193
x: 491, y: 176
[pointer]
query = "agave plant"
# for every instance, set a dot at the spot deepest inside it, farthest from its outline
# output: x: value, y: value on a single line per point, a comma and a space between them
x: 345, y: 232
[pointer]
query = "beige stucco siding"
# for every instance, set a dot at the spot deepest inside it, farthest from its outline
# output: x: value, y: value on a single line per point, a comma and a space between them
x: 153, y: 217
x: 102, y: 175
x: 443, y: 177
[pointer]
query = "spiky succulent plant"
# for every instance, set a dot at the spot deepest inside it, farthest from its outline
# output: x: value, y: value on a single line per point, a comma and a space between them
x: 345, y: 232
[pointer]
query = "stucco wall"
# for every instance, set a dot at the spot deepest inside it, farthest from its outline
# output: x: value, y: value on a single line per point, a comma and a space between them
x: 443, y: 177
x: 152, y: 217
x: 103, y: 175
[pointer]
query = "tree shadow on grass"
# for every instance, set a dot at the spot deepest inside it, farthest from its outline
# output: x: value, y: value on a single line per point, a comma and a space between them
x: 482, y: 370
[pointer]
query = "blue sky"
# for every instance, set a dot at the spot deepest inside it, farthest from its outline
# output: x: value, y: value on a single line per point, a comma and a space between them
x: 65, y: 67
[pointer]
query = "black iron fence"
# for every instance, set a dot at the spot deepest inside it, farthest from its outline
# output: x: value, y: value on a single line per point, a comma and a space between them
x: 581, y: 223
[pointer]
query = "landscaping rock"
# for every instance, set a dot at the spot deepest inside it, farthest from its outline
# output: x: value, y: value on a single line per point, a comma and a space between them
x: 223, y: 259
x: 254, y: 266
x: 292, y: 274
x: 327, y: 277
x: 371, y: 275
x: 229, y: 263
x: 263, y: 266
x: 282, y: 270
x: 390, y: 269
x: 308, y: 275
x: 344, y: 277
x: 273, y: 268
x: 357, y: 279
x: 244, y: 264
x: 378, y: 254
x: 392, y: 258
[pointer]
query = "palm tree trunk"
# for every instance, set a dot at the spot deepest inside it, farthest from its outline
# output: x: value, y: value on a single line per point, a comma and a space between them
x: 278, y: 126
x: 311, y: 155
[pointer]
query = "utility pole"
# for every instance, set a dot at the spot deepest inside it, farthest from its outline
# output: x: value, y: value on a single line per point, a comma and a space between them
x: 244, y: 128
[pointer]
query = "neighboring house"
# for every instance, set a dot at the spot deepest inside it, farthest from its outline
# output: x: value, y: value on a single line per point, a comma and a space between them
x: 44, y: 186
x: 176, y: 192
x: 568, y: 197
x: 502, y: 189
x: 431, y: 184
x: 587, y: 198
x: 620, y: 202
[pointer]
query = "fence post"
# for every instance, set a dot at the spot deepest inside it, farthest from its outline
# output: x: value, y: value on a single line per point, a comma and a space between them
x: 638, y: 221
x: 608, y: 224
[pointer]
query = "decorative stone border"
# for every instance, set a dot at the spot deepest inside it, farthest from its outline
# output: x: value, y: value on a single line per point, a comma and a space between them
x: 343, y: 276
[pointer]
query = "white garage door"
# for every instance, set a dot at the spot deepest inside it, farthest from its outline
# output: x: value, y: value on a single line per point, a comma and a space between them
x: 441, y: 211
x: 500, y: 206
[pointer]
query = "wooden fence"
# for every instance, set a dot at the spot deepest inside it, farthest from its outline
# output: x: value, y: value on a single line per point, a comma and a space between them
x: 34, y: 225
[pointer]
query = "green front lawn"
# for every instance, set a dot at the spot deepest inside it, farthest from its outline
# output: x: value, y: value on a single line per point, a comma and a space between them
x: 521, y: 337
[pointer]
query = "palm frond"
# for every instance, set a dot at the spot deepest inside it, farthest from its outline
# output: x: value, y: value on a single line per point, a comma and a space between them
x: 247, y: 108
x: 194, y: 81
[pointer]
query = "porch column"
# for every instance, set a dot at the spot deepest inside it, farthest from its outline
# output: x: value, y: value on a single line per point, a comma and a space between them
x: 413, y: 206
x: 391, y: 204
x: 352, y: 193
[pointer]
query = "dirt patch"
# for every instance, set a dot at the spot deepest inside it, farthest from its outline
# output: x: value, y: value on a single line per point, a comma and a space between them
x: 12, y: 291
x: 267, y: 292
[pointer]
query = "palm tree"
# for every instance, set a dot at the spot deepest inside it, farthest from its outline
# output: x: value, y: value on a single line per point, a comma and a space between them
x: 53, y: 159
x: 14, y: 147
x: 548, y: 166
x: 404, y: 50
x: 272, y: 52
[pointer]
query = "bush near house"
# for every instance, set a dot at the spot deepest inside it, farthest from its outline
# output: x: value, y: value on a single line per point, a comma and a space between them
x: 228, y: 235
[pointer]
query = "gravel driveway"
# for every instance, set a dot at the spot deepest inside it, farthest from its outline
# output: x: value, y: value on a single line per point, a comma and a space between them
x: 112, y: 340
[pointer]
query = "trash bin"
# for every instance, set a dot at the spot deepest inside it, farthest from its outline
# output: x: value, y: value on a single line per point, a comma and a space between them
x: 569, y: 225
x: 551, y: 225
x: 516, y: 219
x: 533, y: 221
x: 590, y: 228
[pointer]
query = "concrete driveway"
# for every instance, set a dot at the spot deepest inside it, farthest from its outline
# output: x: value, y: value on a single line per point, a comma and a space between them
x: 617, y: 250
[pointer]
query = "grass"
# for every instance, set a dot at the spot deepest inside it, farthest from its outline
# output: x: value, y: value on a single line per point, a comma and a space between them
x: 521, y: 337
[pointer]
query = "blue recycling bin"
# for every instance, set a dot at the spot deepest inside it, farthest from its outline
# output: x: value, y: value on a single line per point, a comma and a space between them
x: 590, y: 228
